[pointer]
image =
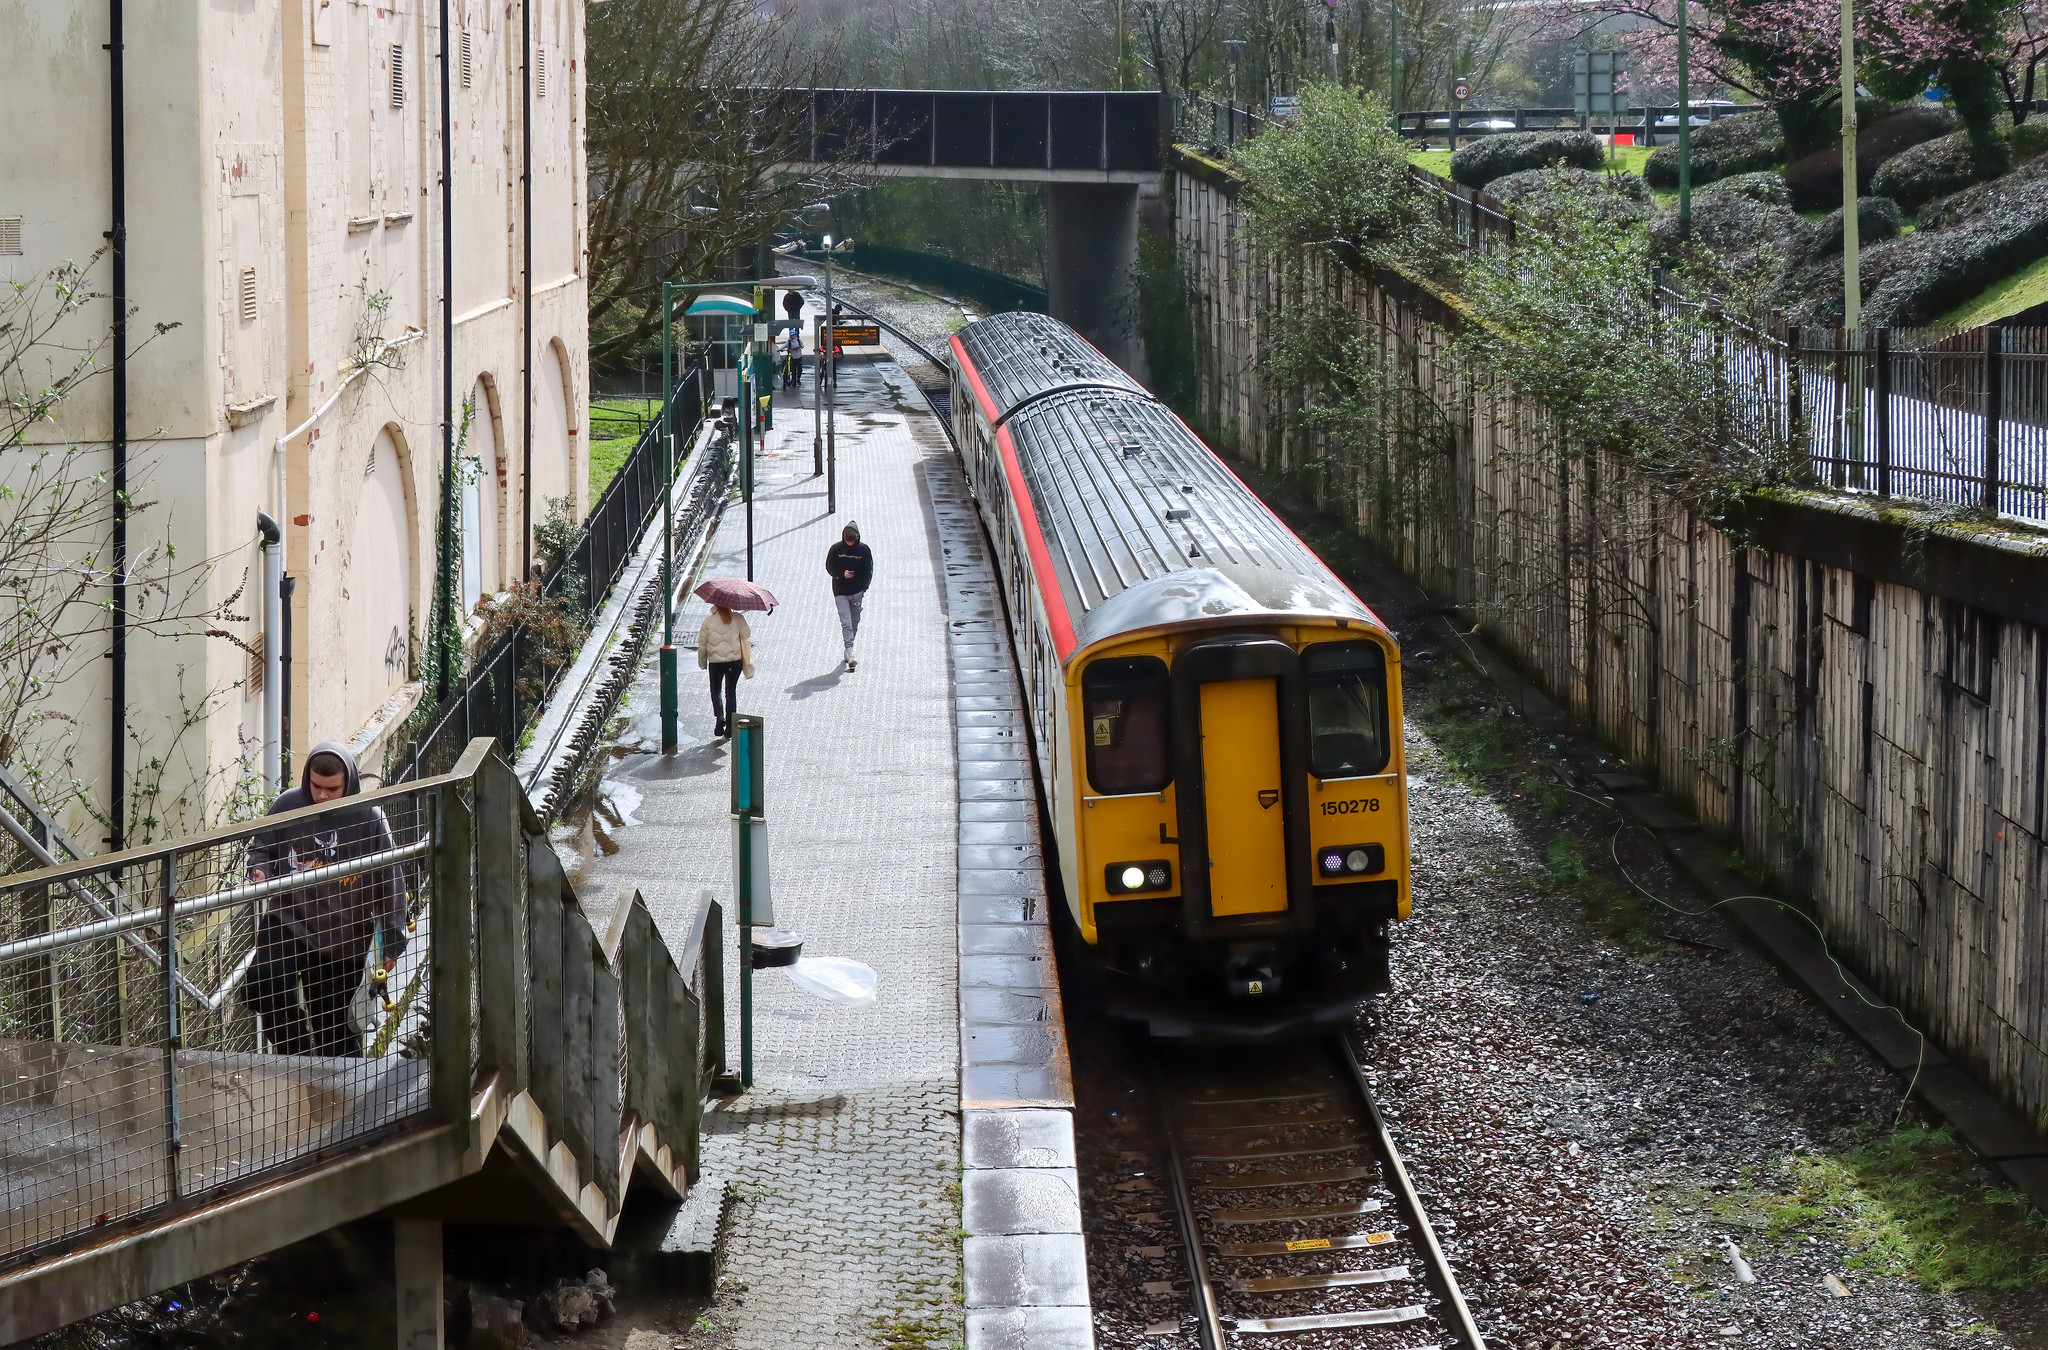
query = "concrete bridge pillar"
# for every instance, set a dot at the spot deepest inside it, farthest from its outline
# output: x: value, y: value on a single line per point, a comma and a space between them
x: 1091, y: 267
x: 416, y: 1260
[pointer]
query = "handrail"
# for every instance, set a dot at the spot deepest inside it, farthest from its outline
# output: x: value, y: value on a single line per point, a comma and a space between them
x: 185, y: 909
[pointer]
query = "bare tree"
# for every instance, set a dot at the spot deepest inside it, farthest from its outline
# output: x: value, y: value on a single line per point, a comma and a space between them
x: 698, y: 135
x: 1180, y: 39
x: 57, y: 509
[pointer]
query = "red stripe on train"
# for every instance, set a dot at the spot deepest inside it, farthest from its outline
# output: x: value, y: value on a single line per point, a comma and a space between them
x: 1063, y: 640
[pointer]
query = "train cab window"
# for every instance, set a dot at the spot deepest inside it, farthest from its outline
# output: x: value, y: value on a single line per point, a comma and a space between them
x: 1124, y: 703
x: 1347, y: 709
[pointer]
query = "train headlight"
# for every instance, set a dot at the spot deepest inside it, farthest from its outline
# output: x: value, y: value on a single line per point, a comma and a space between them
x: 1128, y: 878
x: 1351, y: 860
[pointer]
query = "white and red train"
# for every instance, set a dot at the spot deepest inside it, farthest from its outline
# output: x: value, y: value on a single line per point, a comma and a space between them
x: 1216, y: 717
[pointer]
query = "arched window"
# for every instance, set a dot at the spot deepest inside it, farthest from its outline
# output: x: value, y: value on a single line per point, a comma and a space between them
x: 377, y: 584
x: 479, y: 505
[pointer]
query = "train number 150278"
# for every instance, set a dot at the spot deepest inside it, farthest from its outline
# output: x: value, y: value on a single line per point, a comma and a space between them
x: 1351, y: 808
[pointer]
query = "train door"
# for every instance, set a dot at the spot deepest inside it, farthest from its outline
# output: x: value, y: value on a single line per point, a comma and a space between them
x: 1242, y: 779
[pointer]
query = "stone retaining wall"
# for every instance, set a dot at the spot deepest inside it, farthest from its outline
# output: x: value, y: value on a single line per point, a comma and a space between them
x: 1854, y: 696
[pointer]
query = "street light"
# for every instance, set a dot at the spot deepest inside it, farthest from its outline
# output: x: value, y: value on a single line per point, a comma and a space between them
x: 827, y: 364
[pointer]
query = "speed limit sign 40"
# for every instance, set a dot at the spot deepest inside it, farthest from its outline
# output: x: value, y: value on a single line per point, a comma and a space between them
x: 1461, y: 88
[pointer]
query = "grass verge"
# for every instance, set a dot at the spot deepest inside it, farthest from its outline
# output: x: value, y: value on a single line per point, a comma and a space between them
x: 1918, y: 1204
x: 615, y: 425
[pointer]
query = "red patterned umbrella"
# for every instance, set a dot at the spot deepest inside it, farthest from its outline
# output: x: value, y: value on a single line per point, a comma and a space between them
x: 734, y: 593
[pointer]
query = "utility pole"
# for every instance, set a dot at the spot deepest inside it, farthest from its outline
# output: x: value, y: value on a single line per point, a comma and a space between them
x: 1685, y: 123
x: 1851, y: 374
x: 1852, y: 263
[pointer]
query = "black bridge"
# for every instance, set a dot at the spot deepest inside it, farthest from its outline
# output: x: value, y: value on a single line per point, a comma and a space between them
x: 1057, y: 137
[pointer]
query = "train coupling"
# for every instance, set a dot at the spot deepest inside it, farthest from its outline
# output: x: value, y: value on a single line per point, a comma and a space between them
x: 1252, y: 970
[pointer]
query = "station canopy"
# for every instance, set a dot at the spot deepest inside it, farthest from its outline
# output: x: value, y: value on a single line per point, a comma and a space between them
x: 720, y: 302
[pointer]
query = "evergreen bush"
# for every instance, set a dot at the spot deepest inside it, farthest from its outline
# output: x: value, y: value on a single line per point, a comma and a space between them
x: 1743, y: 143
x: 1492, y: 157
x: 1615, y: 200
x: 1930, y: 169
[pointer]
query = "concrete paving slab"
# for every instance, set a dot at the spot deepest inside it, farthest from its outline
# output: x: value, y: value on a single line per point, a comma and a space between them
x: 845, y: 1222
x: 1026, y: 1270
x: 1018, y: 1139
x: 1011, y: 1200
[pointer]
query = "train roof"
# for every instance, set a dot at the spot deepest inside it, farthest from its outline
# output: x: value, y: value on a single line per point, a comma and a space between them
x: 1022, y: 356
x: 1144, y: 526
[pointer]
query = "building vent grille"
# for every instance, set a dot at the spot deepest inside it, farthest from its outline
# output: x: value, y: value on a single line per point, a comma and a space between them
x: 248, y: 295
x: 10, y: 236
x: 540, y: 72
x: 255, y: 679
x: 397, y: 75
x: 468, y: 61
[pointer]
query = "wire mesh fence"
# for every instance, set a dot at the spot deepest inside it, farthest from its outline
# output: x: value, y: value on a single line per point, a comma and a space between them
x: 176, y: 1021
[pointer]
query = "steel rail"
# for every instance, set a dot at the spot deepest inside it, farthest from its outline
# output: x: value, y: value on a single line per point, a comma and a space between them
x: 1208, y: 1322
x: 1440, y: 1275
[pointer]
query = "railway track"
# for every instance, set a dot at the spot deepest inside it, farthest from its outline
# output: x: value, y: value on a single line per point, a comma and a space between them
x: 1296, y: 1217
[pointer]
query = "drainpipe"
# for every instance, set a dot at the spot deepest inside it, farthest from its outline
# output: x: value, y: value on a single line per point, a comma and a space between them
x: 444, y: 581
x: 526, y: 300
x: 273, y: 640
x: 285, y: 587
x: 117, y: 835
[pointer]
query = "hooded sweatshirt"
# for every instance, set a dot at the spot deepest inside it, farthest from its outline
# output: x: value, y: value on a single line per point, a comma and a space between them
x: 856, y: 558
x: 335, y: 918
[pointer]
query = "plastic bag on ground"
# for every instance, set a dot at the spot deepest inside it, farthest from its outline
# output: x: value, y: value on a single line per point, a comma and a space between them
x: 835, y: 978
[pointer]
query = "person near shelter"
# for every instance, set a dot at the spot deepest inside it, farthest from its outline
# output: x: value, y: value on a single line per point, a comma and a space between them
x: 793, y: 359
x: 725, y: 648
x: 311, y: 941
x: 852, y: 566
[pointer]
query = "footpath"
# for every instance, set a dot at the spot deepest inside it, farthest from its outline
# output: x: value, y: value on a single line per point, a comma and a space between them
x: 901, y: 1174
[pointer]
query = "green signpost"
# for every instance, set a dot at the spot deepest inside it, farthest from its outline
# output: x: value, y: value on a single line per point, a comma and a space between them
x: 749, y: 806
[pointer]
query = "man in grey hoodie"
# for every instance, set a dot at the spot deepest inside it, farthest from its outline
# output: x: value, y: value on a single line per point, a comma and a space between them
x: 310, y: 942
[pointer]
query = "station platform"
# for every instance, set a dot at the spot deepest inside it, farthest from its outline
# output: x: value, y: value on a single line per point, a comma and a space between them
x: 902, y: 1174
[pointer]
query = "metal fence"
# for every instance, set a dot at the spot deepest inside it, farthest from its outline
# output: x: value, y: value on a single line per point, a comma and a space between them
x: 221, y: 1013
x: 153, y: 1049
x: 510, y: 683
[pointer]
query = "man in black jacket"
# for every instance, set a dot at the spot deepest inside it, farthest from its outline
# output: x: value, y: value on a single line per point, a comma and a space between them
x: 310, y: 942
x: 852, y: 566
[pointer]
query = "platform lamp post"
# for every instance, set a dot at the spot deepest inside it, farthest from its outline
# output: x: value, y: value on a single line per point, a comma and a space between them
x: 828, y: 365
x: 669, y: 700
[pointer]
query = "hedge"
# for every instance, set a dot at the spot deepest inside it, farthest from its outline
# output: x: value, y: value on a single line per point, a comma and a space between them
x: 1913, y: 279
x: 1743, y: 143
x: 1492, y: 157
x: 1931, y: 169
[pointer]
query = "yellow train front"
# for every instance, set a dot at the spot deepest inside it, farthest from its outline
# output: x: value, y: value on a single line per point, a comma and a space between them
x: 1215, y: 717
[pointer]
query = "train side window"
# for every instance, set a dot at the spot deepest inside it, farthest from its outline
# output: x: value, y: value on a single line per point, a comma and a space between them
x: 1124, y: 703
x: 1347, y: 709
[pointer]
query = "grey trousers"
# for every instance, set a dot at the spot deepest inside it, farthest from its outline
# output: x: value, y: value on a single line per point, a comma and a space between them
x: 849, y: 614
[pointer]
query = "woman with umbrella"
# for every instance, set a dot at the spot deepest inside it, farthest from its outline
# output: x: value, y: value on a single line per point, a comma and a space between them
x: 724, y: 645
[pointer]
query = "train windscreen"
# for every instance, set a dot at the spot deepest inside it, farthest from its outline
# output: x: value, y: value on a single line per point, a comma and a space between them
x: 1125, y: 702
x: 1347, y: 709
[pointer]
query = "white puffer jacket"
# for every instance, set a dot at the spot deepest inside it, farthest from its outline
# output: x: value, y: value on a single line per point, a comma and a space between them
x: 721, y: 639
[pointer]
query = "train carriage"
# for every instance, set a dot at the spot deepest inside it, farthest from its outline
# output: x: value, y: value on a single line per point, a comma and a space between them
x: 1216, y: 717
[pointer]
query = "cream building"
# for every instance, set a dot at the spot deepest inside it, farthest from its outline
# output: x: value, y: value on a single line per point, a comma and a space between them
x: 283, y: 207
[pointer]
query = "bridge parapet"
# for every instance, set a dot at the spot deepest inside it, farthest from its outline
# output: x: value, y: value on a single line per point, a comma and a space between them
x: 186, y: 1045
